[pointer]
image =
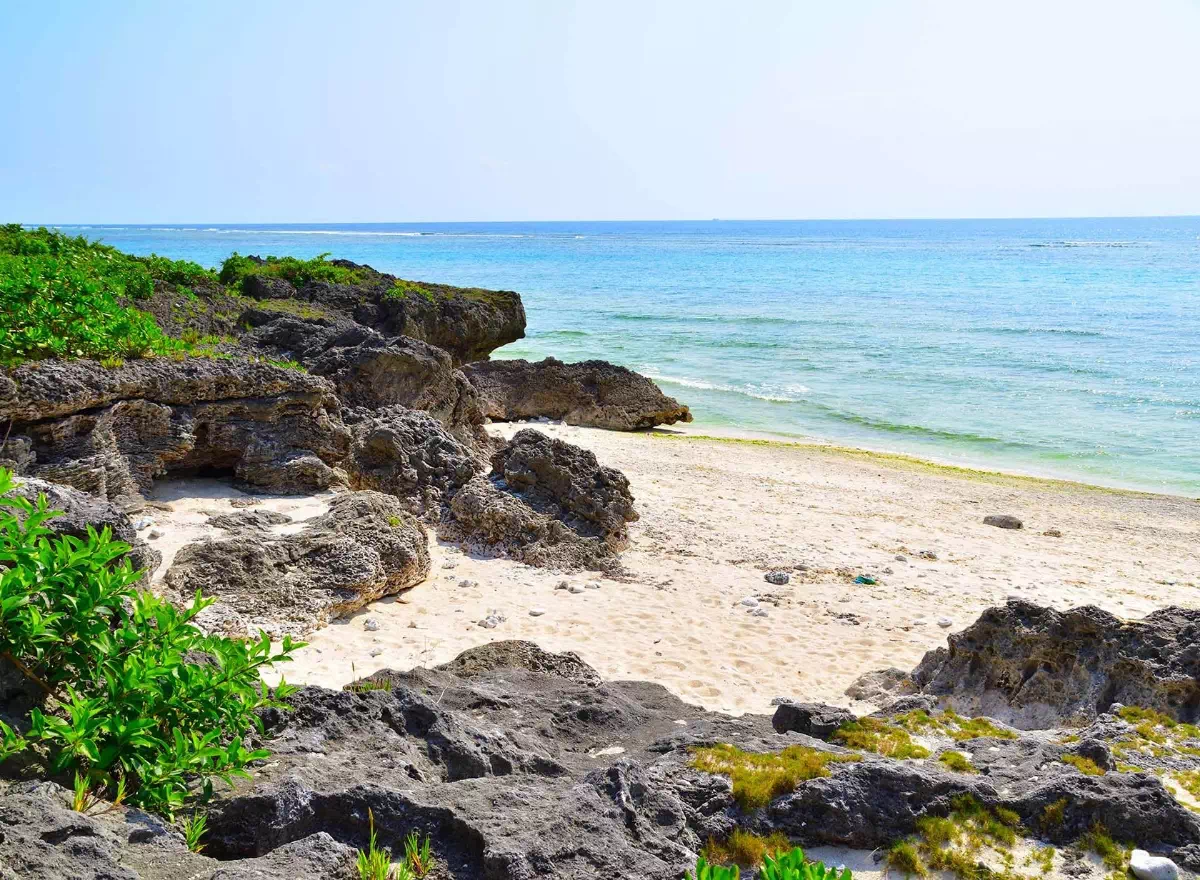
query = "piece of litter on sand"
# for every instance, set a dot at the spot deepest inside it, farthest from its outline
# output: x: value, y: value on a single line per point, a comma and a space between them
x: 865, y: 579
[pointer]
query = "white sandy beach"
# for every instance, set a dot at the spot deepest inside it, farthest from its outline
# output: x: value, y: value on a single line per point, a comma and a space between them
x: 716, y: 516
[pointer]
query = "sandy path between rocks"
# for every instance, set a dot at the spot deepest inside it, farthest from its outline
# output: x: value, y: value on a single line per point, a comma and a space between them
x: 716, y: 515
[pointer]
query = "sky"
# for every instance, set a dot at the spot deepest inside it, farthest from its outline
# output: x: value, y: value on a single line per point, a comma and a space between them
x: 394, y: 111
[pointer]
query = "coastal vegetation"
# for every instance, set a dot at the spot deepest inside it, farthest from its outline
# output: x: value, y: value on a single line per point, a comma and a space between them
x: 135, y: 701
x: 65, y: 296
x: 237, y: 268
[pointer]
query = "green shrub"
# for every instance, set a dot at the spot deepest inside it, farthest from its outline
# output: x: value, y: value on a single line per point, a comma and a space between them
x: 401, y: 290
x: 793, y: 866
x: 67, y: 297
x: 138, y: 701
x: 299, y: 272
x: 706, y: 871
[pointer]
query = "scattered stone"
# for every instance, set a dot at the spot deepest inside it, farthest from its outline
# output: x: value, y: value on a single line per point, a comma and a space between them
x: 1052, y: 533
x: 750, y: 602
x: 371, y: 624
x: 778, y: 578
x: 1003, y: 521
x: 155, y: 534
x: 562, y: 585
x: 375, y: 652
x: 901, y: 558
x: 592, y: 585
x: 143, y: 523
x: 927, y: 554
x: 467, y: 584
x: 536, y: 612
x: 575, y: 589
x: 1147, y: 867
x: 758, y: 612
x: 489, y: 622
x: 811, y: 719
x: 244, y: 502
x: 945, y: 622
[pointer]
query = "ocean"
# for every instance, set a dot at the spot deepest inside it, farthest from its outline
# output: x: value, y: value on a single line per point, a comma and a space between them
x: 1067, y: 348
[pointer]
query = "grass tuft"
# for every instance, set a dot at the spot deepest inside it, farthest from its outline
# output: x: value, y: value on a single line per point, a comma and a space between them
x: 745, y: 848
x: 873, y: 735
x: 957, y: 762
x: 759, y: 778
x: 1086, y: 766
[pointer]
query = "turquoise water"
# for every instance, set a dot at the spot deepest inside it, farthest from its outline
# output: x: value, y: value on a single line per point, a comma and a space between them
x: 1060, y: 347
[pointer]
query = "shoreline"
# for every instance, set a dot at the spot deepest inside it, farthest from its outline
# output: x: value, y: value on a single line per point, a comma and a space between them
x: 717, y: 434
x: 717, y: 516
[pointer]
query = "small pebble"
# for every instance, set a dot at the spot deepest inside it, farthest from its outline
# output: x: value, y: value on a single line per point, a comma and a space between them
x: 778, y: 578
x: 750, y: 602
x: 758, y: 612
x: 944, y: 622
x: 449, y: 565
x: 536, y: 612
x: 371, y: 624
x: 888, y: 570
x: 489, y: 622
x: 900, y: 558
x: 467, y: 583
x: 1052, y: 533
x: 927, y: 554
x: 375, y: 652
x: 592, y: 586
x: 155, y: 534
x: 562, y: 585
x: 143, y: 523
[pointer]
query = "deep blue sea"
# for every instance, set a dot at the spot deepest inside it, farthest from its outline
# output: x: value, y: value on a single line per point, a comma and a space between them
x: 1060, y: 347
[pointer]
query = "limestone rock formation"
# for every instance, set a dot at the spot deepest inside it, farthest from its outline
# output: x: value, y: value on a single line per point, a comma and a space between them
x: 112, y: 431
x: 1036, y: 667
x: 408, y: 454
x: 519, y: 763
x: 548, y: 503
x: 593, y: 393
x: 404, y: 372
x: 364, y: 547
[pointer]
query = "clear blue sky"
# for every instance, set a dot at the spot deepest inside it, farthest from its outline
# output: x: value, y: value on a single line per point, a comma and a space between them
x: 419, y: 111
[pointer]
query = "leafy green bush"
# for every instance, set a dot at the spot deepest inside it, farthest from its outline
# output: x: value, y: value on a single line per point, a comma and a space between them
x: 137, y: 700
x: 793, y: 865
x: 67, y: 297
x: 299, y: 272
x: 183, y: 272
x: 705, y: 871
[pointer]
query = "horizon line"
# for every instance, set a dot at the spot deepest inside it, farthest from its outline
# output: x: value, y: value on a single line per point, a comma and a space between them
x: 190, y: 223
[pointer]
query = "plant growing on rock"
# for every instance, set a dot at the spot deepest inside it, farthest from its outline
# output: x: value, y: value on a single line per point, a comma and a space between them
x: 417, y: 855
x: 134, y: 698
x: 760, y: 778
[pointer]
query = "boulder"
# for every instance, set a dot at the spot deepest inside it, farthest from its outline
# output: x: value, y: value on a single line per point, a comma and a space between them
x: 592, y: 393
x: 113, y: 431
x: 404, y: 372
x: 411, y: 455
x: 1035, y: 667
x: 812, y: 719
x: 547, y: 503
x: 1003, y: 521
x: 364, y: 547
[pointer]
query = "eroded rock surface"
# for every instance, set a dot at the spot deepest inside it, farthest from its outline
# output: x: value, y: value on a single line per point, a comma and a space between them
x: 548, y: 503
x: 593, y: 393
x: 1036, y: 667
x: 519, y: 763
x: 364, y: 547
x: 411, y: 455
x: 112, y: 431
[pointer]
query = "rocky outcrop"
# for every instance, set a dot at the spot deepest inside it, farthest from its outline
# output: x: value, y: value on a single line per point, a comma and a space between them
x: 519, y: 763
x: 593, y: 393
x: 1036, y: 667
x: 404, y: 372
x: 112, y: 431
x: 44, y: 839
x: 468, y: 323
x: 364, y: 547
x: 411, y: 455
x: 547, y: 503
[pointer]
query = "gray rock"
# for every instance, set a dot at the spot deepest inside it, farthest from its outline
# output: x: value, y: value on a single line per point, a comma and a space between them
x: 593, y: 393
x: 547, y: 503
x: 249, y: 520
x: 778, y: 578
x: 812, y: 719
x: 411, y: 455
x: 112, y: 432
x: 881, y: 687
x: 1035, y: 667
x: 364, y: 547
x: 1002, y: 521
